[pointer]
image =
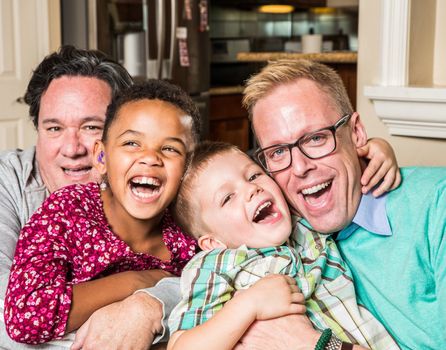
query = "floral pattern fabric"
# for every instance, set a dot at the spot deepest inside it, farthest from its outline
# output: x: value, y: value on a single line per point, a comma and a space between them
x: 68, y: 241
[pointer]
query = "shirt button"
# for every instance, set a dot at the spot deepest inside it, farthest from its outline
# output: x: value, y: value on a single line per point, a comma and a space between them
x: 318, y: 246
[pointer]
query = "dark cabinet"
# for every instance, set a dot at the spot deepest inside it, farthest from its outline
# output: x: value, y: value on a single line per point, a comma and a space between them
x: 347, y: 72
x: 229, y: 120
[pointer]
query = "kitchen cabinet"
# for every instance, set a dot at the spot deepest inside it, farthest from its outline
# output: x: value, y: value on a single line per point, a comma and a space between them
x: 347, y: 72
x: 229, y: 120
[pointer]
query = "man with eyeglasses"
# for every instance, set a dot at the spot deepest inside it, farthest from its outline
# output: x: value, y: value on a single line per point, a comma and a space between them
x: 394, y: 244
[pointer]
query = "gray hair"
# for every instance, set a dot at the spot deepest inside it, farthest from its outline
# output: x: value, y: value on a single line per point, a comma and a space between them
x: 69, y: 61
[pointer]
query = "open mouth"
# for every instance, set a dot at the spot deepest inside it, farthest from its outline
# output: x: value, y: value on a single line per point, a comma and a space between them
x: 313, y: 195
x: 265, y: 212
x: 77, y: 171
x: 145, y: 187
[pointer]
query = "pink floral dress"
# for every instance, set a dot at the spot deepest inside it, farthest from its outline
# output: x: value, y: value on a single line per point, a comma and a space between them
x: 68, y: 241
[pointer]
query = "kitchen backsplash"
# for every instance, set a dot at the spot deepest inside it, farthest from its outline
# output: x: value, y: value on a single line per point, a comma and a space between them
x: 274, y: 29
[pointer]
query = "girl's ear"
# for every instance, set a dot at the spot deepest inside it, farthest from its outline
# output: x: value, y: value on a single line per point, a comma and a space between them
x: 99, y: 157
x: 208, y: 242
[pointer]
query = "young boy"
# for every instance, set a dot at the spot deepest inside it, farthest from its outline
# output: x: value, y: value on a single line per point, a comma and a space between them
x: 242, y: 228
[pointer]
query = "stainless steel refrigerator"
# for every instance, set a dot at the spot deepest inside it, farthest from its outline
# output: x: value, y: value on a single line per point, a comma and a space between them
x: 166, y: 39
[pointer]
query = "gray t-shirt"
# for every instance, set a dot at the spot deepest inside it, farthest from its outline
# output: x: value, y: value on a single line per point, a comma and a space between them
x: 21, y: 192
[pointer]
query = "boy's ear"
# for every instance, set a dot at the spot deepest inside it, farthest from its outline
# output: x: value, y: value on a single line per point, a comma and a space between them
x: 358, y: 130
x: 208, y: 242
x: 99, y: 157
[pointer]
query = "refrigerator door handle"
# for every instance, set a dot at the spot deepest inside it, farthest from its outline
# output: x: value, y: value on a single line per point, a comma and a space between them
x: 161, y: 37
x: 173, y: 29
x: 145, y: 27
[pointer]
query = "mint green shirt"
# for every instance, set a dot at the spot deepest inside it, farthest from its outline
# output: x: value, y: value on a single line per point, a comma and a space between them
x: 401, y: 278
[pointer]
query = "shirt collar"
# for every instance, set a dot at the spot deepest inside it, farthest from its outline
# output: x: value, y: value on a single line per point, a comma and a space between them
x: 371, y: 215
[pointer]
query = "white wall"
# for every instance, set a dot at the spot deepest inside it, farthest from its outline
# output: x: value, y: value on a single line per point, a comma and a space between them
x: 30, y: 29
x: 54, y: 24
x: 409, y: 150
x: 440, y: 45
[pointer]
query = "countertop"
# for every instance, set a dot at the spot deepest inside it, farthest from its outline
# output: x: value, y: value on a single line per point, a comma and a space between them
x: 226, y: 90
x: 323, y: 57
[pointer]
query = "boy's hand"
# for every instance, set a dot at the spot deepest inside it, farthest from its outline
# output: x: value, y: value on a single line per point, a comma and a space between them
x: 274, y: 296
x: 287, y: 332
x: 382, y: 166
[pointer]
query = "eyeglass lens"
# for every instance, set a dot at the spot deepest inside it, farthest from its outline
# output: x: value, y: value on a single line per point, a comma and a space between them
x: 315, y: 145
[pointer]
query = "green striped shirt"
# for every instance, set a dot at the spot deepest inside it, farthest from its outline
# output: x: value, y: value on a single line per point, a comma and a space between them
x: 212, y: 277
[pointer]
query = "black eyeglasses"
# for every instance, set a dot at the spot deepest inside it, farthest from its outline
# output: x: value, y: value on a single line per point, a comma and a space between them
x: 314, y: 145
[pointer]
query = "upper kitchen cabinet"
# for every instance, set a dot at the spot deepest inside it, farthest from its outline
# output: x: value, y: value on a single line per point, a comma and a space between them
x: 240, y: 30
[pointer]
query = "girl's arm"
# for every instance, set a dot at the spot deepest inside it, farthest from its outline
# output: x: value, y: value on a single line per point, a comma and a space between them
x: 227, y: 326
x: 40, y: 299
x: 92, y: 295
x: 38, y: 296
x: 382, y: 167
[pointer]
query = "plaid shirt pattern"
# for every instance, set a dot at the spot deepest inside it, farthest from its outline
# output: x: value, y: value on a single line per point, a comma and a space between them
x: 212, y: 277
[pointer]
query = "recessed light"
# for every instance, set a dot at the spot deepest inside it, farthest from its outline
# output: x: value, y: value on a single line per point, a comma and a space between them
x: 276, y: 9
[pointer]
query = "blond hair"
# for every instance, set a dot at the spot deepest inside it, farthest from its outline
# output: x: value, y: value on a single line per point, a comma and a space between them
x: 186, y: 208
x: 286, y: 71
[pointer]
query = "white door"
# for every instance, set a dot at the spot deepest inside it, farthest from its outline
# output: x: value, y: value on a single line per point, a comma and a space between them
x: 24, y: 41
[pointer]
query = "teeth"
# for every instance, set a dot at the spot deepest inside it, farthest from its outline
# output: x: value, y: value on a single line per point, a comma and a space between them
x: 142, y: 194
x: 316, y: 188
x: 146, y: 181
x: 78, y: 171
x: 259, y: 209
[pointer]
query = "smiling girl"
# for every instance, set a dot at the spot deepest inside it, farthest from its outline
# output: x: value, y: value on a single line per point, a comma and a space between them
x: 91, y: 245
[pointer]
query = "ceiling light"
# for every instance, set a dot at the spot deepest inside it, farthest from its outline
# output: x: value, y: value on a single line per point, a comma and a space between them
x: 276, y: 9
x: 323, y: 10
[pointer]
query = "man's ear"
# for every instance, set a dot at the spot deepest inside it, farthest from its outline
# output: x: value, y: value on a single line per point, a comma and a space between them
x: 359, y: 135
x: 208, y: 242
x: 99, y: 157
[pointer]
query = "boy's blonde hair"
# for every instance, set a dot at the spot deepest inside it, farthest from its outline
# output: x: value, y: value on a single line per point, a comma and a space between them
x: 282, y: 72
x: 187, y: 207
